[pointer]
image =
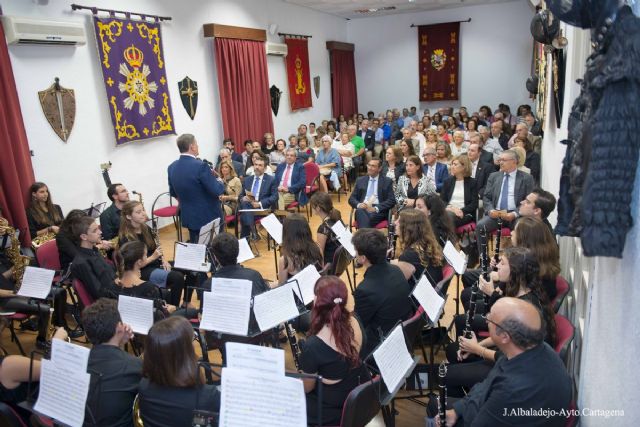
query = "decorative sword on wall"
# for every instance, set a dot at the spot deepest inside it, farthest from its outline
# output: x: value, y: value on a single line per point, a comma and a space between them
x: 59, y: 107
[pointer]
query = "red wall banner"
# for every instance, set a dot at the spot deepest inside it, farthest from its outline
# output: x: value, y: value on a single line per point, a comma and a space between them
x: 298, y: 75
x: 438, y: 47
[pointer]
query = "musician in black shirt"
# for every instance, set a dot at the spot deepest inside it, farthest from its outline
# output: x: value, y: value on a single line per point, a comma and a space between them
x: 110, y: 218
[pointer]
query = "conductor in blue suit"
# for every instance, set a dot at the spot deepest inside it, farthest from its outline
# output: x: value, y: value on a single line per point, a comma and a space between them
x: 195, y: 187
x: 290, y: 179
x: 258, y: 192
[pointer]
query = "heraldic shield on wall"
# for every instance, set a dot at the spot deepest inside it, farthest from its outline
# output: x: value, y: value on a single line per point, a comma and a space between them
x: 189, y: 95
x: 133, y: 67
x: 59, y: 108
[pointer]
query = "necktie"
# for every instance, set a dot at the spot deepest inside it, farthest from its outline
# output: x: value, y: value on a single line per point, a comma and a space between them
x: 287, y: 172
x: 370, y: 189
x: 254, y: 188
x: 504, y: 198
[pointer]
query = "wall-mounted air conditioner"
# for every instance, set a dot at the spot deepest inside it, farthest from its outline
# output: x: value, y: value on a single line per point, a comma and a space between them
x: 276, y: 49
x: 20, y: 30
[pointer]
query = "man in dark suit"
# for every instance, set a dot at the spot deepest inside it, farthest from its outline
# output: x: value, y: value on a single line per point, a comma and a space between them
x: 369, y: 137
x: 193, y: 184
x: 382, y: 298
x: 503, y: 193
x: 433, y: 169
x: 372, y: 197
x: 290, y: 177
x: 225, y: 155
x: 258, y: 192
x: 480, y: 170
x: 229, y: 145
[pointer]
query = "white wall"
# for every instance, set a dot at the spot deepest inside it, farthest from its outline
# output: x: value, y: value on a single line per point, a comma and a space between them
x: 495, y: 52
x: 72, y: 169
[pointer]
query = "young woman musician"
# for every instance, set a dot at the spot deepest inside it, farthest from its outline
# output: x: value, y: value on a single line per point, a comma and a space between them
x: 322, y: 206
x: 43, y: 216
x: 441, y: 224
x: 332, y: 351
x: 421, y: 251
x: 133, y: 228
x: 172, y: 387
x: 298, y: 248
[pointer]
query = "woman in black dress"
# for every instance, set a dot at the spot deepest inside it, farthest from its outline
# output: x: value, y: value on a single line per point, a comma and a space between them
x: 43, y: 216
x: 434, y: 208
x: 172, y: 387
x: 298, y: 248
x: 332, y: 351
x: 327, y: 242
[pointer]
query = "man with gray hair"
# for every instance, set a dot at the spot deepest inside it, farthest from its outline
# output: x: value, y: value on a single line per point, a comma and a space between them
x: 226, y: 156
x: 435, y: 171
x: 503, y: 193
x: 490, y: 144
x: 528, y: 385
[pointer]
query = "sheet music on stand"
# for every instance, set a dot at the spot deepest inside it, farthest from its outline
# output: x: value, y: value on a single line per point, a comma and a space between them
x: 344, y: 237
x: 191, y: 256
x: 429, y: 299
x: 457, y: 259
x: 272, y: 224
x: 227, y: 307
x: 137, y: 313
x: 64, y: 375
x: 306, y: 281
x: 262, y: 360
x: 393, y: 359
x: 245, y: 253
x: 208, y: 232
x: 36, y: 282
x: 248, y: 400
x: 274, y: 307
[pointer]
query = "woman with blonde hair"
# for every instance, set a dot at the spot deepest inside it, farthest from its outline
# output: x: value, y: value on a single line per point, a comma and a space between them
x: 459, y: 192
x: 232, y: 187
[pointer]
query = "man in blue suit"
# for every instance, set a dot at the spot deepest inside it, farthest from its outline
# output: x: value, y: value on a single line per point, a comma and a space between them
x: 258, y: 192
x: 437, y: 172
x: 290, y: 179
x: 195, y: 187
x: 372, y: 196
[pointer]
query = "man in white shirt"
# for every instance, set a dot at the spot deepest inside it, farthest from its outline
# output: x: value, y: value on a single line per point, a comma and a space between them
x: 421, y: 140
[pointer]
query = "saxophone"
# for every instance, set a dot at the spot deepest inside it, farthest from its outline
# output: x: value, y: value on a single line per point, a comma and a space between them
x: 38, y: 241
x: 19, y: 261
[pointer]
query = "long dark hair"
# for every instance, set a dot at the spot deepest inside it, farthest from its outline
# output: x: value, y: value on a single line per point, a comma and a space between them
x: 37, y: 212
x: 127, y: 231
x: 323, y: 202
x: 169, y: 358
x: 533, y: 234
x: 525, y: 274
x: 128, y: 254
x: 441, y: 223
x: 416, y: 233
x: 298, y: 246
x: 330, y: 308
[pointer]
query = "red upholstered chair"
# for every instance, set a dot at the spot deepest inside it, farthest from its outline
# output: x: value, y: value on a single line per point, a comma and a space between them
x: 171, y: 211
x: 48, y: 257
x: 12, y: 317
x: 9, y: 416
x: 562, y: 289
x: 466, y: 228
x: 447, y: 274
x: 312, y: 174
x: 565, y: 332
x: 384, y: 224
x: 84, y: 296
x: 505, y: 234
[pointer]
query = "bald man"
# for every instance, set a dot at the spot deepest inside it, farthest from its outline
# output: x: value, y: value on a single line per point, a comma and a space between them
x: 526, y: 386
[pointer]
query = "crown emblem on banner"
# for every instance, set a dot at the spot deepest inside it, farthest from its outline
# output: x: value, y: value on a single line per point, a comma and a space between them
x: 133, y: 56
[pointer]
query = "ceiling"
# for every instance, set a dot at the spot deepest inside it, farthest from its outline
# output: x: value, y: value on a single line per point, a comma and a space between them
x: 347, y: 8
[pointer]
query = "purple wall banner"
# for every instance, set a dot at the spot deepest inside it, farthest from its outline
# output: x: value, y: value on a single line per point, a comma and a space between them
x: 135, y: 78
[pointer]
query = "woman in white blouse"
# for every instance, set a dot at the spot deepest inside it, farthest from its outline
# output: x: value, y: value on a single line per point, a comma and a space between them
x: 459, y: 192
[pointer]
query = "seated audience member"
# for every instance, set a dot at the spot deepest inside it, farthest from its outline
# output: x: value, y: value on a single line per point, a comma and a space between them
x: 229, y: 145
x: 418, y: 139
x: 358, y: 145
x: 535, y: 128
x: 484, y: 155
x: 255, y: 155
x: 443, y: 135
x: 531, y: 158
x: 471, y: 129
x: 406, y: 148
x: 43, y: 216
x: 441, y: 224
x: 393, y: 166
x: 538, y: 204
x: 458, y: 145
x: 522, y: 132
x: 290, y: 178
x: 479, y: 170
x: 89, y: 266
x: 421, y: 253
x: 369, y: 138
x: 258, y: 192
x: 298, y: 248
x: 345, y: 148
x: 248, y: 149
x: 372, y: 196
x: 332, y: 350
x: 293, y: 141
x: 277, y: 156
x: 382, y: 298
x: 157, y: 270
x: 529, y: 375
x: 443, y: 153
x: 435, y: 171
x: 305, y: 152
x: 322, y: 206
x: 110, y: 217
x: 225, y: 156
x: 379, y: 136
x: 268, y: 143
x: 172, y: 387
x: 522, y: 154
x: 498, y: 135
x: 329, y: 162
x: 232, y: 187
x: 115, y: 374
x: 459, y: 192
x: 503, y: 193
x: 432, y: 139
x: 413, y: 184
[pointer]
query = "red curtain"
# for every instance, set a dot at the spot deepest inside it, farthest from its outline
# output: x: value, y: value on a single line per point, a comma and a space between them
x: 344, y: 95
x: 16, y: 172
x: 243, y: 82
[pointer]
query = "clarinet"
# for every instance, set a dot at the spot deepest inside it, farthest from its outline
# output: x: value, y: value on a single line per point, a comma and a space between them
x: 293, y: 342
x: 442, y: 398
x: 393, y: 239
x: 475, y: 289
x: 496, y: 255
x: 156, y: 240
